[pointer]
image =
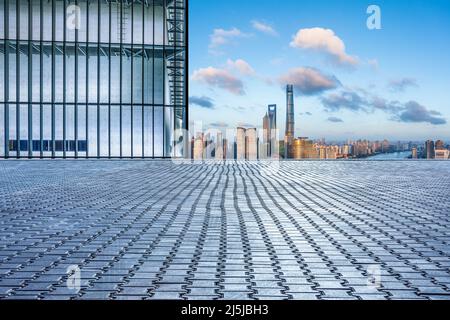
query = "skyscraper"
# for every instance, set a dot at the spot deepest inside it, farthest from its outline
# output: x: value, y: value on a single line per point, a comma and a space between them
x: 251, y: 144
x: 240, y: 143
x: 303, y: 148
x: 264, y: 146
x: 266, y: 130
x: 429, y: 149
x: 273, y: 135
x: 439, y: 144
x: 219, y: 150
x: 93, y: 78
x: 414, y: 153
x: 290, y: 122
x: 199, y: 144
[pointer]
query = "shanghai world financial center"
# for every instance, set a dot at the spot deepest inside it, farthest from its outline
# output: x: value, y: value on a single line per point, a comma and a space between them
x: 93, y: 78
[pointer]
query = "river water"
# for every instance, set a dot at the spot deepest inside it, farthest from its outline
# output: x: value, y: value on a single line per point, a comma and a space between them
x: 390, y: 156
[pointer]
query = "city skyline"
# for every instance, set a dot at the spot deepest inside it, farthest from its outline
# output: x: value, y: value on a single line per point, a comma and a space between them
x: 251, y: 143
x: 349, y: 83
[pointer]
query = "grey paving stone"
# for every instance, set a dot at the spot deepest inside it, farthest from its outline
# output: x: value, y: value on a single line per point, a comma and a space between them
x: 169, y: 230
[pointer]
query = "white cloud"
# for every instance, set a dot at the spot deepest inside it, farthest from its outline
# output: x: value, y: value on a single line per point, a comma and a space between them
x: 242, y: 66
x: 221, y: 37
x: 264, y: 28
x: 324, y: 40
x: 219, y: 78
x: 400, y: 85
x: 309, y: 81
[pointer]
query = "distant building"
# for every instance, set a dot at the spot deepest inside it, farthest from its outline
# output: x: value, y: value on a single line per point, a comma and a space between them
x: 290, y: 121
x: 439, y: 144
x: 198, y: 147
x: 266, y: 130
x: 264, y: 147
x: 441, y: 154
x: 246, y: 144
x: 345, y: 149
x: 414, y: 153
x: 273, y: 135
x: 332, y: 152
x: 322, y: 152
x: 219, y: 151
x: 208, y: 146
x: 263, y: 150
x: 302, y: 148
x: 385, y: 146
x: 429, y: 149
x: 240, y: 143
x: 439, y: 150
x: 226, y: 150
x: 251, y: 144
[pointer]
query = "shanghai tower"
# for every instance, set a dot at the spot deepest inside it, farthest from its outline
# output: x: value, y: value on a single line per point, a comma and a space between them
x: 289, y: 136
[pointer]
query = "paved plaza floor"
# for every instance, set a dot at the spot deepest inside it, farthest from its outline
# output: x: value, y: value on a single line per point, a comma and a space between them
x: 172, y: 230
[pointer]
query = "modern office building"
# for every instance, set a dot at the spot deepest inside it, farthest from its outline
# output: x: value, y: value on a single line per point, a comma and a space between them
x: 272, y: 112
x: 246, y: 147
x: 264, y: 145
x: 251, y: 144
x: 429, y: 149
x: 414, y: 153
x: 290, y: 119
x: 302, y: 148
x: 219, y: 149
x: 439, y: 144
x: 240, y: 143
x: 272, y: 131
x: 442, y: 154
x: 198, y: 147
x: 93, y: 78
x: 266, y: 130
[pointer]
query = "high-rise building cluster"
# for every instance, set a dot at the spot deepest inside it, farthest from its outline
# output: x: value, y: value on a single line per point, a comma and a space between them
x: 249, y: 143
x: 436, y: 150
x: 304, y: 148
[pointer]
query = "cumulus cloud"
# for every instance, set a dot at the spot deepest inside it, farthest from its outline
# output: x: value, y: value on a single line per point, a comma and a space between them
x: 361, y: 101
x: 400, y: 85
x: 414, y: 112
x: 221, y: 37
x: 202, y: 101
x: 335, y: 119
x: 264, y: 28
x: 380, y: 103
x: 346, y: 99
x: 307, y: 113
x: 219, y: 78
x: 309, y: 81
x: 241, y: 66
x: 324, y: 40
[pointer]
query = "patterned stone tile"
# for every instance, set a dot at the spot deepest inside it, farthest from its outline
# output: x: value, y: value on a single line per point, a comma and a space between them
x: 175, y: 230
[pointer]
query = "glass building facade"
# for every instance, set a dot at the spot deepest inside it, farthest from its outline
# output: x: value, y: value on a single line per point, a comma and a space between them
x: 93, y: 78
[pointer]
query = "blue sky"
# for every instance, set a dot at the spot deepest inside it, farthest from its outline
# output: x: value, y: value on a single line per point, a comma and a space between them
x: 350, y: 82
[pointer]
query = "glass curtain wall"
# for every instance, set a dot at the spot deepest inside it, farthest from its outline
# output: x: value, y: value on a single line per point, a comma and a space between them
x: 92, y: 78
